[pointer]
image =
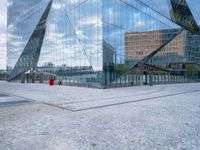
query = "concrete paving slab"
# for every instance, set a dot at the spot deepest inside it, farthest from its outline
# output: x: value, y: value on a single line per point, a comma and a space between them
x: 76, y: 98
x: 99, y: 103
x: 168, y: 123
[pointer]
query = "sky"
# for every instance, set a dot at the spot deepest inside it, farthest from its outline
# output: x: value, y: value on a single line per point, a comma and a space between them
x: 3, y: 22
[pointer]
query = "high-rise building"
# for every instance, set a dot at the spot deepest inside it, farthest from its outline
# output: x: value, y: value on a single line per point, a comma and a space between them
x: 84, y: 42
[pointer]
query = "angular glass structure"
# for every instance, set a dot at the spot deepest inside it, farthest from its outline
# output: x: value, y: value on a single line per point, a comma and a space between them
x: 103, y: 43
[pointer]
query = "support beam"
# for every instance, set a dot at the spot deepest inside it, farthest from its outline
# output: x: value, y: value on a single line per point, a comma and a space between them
x: 182, y: 15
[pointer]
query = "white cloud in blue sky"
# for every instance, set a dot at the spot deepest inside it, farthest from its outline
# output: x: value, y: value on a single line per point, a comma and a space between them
x: 3, y: 21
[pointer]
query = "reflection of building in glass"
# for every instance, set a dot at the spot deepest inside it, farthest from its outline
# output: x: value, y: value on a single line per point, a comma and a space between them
x: 81, y: 42
x: 184, y: 48
x: 2, y: 74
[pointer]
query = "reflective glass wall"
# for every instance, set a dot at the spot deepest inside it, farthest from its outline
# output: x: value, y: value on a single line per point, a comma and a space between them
x: 3, y: 24
x: 102, y: 43
x: 72, y: 46
x: 137, y: 28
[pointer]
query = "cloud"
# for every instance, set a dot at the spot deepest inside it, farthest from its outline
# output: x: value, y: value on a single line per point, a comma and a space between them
x: 3, y: 20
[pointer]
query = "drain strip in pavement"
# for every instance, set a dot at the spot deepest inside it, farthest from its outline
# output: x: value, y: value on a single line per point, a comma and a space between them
x: 132, y: 101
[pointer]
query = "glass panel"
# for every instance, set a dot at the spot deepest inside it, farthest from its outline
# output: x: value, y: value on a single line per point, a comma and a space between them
x: 101, y: 43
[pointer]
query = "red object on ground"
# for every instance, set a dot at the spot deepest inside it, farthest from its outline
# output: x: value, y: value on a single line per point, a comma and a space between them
x: 51, y: 82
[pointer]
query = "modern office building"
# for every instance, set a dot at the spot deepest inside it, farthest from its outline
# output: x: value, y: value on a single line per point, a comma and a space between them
x: 84, y: 42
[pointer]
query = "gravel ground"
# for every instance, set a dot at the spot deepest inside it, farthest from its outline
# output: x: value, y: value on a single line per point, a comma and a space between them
x: 165, y: 123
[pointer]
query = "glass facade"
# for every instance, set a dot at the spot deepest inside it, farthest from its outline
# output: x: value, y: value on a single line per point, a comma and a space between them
x: 106, y: 43
x: 3, y: 24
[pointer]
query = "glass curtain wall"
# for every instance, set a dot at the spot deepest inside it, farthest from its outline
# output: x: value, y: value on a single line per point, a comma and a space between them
x: 72, y: 46
x: 96, y: 42
x: 136, y: 28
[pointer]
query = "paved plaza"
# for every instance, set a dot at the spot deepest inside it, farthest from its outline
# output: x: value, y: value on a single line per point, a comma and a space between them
x: 42, y: 117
